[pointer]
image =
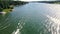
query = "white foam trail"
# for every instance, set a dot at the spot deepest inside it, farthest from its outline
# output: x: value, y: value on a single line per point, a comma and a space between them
x: 17, y: 31
x: 56, y: 21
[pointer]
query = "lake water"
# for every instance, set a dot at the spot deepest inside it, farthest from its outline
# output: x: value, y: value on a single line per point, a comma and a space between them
x: 32, y: 18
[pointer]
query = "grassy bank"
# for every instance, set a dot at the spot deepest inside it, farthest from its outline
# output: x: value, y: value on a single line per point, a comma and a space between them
x: 7, y: 10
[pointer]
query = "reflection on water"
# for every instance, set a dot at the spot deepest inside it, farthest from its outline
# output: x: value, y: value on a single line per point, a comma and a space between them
x: 32, y: 18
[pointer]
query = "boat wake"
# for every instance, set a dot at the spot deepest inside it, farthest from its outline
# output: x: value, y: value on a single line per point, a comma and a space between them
x: 55, y: 27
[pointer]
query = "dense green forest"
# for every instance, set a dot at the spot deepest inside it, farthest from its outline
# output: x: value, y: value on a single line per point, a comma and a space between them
x: 10, y: 4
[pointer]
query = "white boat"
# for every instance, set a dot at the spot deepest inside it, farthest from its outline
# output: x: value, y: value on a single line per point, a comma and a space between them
x: 2, y: 12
